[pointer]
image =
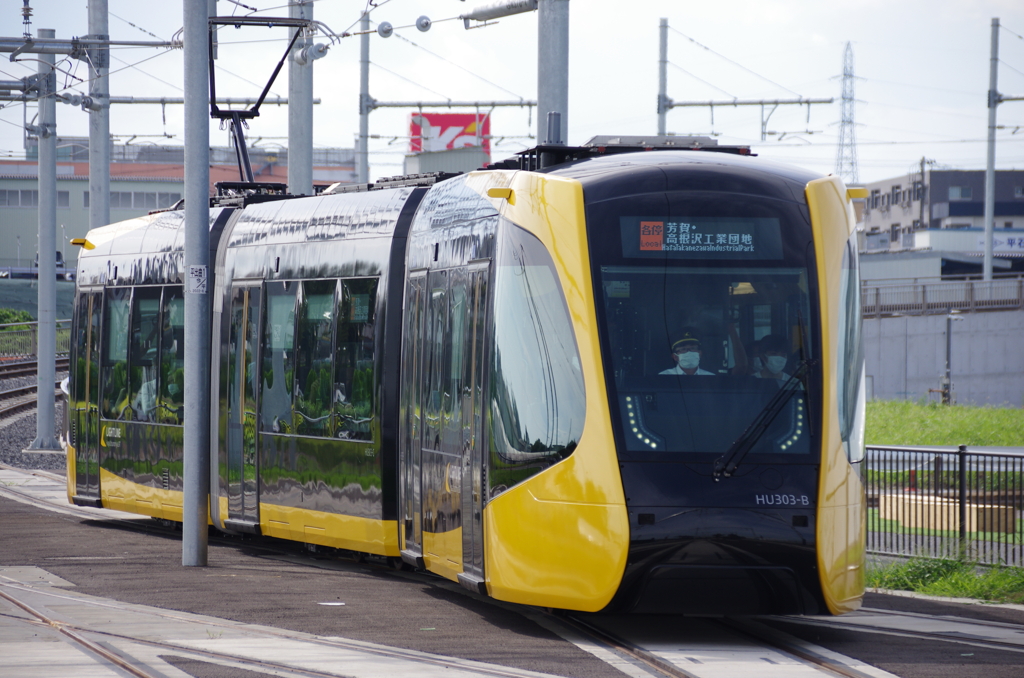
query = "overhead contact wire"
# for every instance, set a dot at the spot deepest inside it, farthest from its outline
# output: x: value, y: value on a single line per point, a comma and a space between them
x: 734, y: 63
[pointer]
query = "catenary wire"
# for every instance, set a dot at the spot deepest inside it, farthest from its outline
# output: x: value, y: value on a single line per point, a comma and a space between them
x: 1011, y: 67
x: 135, y: 26
x: 475, y: 75
x: 411, y: 82
x: 721, y: 56
x: 1018, y: 35
x: 701, y: 80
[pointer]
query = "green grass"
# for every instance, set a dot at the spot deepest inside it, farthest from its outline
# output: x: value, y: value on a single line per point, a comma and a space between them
x: 950, y: 578
x: 909, y: 423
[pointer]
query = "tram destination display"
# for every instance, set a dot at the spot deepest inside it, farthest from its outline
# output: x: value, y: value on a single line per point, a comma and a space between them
x: 701, y: 237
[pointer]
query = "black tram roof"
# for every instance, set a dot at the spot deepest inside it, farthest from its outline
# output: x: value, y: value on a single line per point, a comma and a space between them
x: 611, y: 175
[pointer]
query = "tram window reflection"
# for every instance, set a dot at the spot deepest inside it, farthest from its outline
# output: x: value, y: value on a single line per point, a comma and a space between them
x: 537, y: 399
x: 313, y: 358
x: 278, y: 364
x: 115, y: 353
x: 353, y: 363
x: 170, y: 406
x: 144, y: 353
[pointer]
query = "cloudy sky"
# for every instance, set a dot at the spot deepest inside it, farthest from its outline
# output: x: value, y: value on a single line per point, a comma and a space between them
x: 922, y: 69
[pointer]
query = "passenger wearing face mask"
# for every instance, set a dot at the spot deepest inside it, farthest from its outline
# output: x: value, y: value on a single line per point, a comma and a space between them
x: 686, y: 354
x: 774, y: 355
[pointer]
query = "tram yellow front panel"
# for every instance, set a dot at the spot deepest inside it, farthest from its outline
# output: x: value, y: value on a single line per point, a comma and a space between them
x: 840, y: 525
x: 560, y: 538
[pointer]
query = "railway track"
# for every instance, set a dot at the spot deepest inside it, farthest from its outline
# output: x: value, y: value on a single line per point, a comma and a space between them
x: 712, y: 646
x: 975, y: 633
x: 10, y: 369
x: 23, y: 398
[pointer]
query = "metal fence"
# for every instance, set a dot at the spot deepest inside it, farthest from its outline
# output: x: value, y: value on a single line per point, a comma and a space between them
x: 18, y: 341
x: 920, y: 298
x: 946, y: 503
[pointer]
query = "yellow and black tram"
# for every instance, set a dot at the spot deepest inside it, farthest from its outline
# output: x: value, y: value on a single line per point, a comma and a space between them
x: 618, y: 376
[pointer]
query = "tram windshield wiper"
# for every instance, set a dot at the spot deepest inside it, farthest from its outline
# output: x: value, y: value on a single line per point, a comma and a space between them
x: 727, y: 464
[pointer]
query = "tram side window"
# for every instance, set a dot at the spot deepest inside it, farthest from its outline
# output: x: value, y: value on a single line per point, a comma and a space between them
x: 143, y: 358
x: 353, y: 361
x: 278, y: 364
x: 451, y: 405
x: 313, y: 358
x: 537, y: 397
x: 81, y: 334
x: 850, y: 367
x: 170, y: 404
x: 115, y: 353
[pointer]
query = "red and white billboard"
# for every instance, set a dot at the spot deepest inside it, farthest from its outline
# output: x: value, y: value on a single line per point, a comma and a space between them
x: 446, y: 131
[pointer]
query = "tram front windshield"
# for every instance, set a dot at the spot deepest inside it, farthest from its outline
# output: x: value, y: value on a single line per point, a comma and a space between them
x: 706, y: 312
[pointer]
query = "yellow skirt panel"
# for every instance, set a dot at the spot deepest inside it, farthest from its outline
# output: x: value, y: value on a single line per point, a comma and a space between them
x: 366, y: 535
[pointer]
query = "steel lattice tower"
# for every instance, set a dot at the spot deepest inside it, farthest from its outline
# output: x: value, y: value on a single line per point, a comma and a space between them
x: 846, y: 152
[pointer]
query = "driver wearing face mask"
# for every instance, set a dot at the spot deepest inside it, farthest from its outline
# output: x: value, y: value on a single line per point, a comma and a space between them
x: 774, y: 352
x: 686, y: 354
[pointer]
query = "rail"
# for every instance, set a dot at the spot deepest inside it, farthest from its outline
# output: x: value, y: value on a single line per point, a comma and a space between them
x: 21, y: 399
x: 946, y: 503
x: 923, y: 298
x: 18, y: 341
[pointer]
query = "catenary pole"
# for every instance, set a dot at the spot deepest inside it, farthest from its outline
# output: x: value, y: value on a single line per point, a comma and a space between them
x: 662, y: 74
x: 362, y: 144
x: 46, y: 336
x: 552, y: 65
x: 990, y: 165
x: 99, y: 116
x: 195, y: 509
x: 300, y: 108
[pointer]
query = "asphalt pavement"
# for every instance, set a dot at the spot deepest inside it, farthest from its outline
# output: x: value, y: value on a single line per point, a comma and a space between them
x: 246, y: 582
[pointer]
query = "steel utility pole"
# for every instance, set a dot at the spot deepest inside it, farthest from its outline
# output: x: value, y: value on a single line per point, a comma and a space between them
x: 196, y: 501
x: 46, y: 349
x: 99, y: 116
x: 994, y: 99
x: 300, y: 106
x: 553, y: 66
x: 990, y: 165
x: 662, y: 75
x: 362, y: 144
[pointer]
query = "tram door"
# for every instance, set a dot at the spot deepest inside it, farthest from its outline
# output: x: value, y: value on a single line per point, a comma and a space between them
x: 84, y: 401
x: 441, y: 457
x: 411, y: 437
x: 473, y: 439
x: 443, y: 468
x: 242, y: 375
